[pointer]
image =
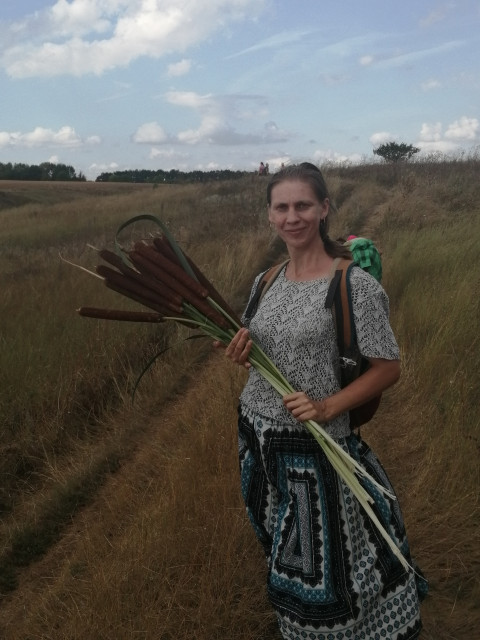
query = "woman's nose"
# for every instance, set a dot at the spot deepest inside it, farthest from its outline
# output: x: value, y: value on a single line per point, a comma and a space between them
x: 292, y: 214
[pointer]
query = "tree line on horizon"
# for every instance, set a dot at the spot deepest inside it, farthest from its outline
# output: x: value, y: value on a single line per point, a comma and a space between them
x: 173, y: 176
x: 44, y: 171
x: 391, y: 152
x: 51, y: 172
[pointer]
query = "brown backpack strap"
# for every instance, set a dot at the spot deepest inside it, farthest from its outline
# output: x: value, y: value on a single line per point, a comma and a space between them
x: 265, y: 283
x: 269, y: 278
x: 337, y: 299
x: 346, y: 312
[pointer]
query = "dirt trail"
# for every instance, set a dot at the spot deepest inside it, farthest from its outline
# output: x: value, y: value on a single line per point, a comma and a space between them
x: 156, y: 440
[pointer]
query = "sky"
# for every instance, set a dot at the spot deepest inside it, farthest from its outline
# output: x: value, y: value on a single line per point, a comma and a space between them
x: 107, y: 85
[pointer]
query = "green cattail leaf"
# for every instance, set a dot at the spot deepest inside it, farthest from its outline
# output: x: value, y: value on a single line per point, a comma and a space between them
x: 171, y: 240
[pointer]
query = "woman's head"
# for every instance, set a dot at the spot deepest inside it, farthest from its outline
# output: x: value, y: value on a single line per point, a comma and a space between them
x: 311, y: 175
x: 306, y: 172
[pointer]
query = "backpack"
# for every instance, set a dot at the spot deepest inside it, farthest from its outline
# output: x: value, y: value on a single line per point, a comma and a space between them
x: 352, y: 363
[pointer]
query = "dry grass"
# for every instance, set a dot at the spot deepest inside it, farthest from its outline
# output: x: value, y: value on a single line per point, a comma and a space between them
x: 178, y: 558
x: 160, y: 547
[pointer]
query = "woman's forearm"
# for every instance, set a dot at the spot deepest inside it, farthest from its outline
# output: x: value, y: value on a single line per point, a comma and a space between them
x: 381, y: 375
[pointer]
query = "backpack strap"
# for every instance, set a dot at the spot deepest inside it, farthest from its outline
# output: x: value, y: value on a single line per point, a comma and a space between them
x: 352, y: 364
x: 263, y: 286
x: 339, y: 300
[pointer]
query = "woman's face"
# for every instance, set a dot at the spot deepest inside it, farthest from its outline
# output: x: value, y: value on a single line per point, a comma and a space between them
x: 295, y: 212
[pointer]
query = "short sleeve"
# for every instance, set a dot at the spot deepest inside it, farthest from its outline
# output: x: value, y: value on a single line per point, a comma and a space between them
x: 371, y: 311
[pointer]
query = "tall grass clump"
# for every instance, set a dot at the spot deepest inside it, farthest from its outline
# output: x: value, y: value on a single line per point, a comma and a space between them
x: 434, y: 292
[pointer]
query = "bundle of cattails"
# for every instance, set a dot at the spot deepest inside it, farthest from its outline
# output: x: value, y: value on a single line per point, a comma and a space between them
x: 168, y: 283
x: 159, y: 276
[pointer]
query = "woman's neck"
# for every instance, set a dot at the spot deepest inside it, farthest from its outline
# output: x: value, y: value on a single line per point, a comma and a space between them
x: 308, y: 266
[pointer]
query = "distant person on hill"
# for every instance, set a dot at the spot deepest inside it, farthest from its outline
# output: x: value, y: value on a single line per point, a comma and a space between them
x: 330, y: 573
x: 261, y: 169
x: 366, y: 255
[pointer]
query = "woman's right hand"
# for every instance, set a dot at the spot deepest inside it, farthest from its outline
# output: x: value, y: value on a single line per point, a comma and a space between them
x: 239, y: 348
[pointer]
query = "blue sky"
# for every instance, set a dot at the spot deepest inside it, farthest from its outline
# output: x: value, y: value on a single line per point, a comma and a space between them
x: 107, y: 85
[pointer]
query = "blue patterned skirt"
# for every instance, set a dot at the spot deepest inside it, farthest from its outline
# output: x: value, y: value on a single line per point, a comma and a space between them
x: 331, y: 576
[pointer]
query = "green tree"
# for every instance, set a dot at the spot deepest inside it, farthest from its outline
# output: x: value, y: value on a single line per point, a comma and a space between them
x: 396, y: 151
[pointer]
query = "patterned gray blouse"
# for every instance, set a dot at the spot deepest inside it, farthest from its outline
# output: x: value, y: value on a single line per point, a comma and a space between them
x: 296, y: 331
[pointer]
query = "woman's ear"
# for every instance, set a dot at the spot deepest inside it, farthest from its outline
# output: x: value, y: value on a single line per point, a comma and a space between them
x: 326, y: 208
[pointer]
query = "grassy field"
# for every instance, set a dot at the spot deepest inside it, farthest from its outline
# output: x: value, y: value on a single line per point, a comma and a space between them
x: 124, y: 520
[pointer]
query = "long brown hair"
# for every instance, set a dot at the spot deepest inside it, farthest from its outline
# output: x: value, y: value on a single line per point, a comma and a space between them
x: 311, y: 174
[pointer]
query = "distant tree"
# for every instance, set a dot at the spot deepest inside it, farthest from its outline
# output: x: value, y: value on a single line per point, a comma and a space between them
x: 48, y: 169
x: 6, y: 171
x: 396, y: 151
x: 63, y: 172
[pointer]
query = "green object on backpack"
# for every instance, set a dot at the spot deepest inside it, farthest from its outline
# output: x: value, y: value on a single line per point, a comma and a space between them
x: 366, y: 255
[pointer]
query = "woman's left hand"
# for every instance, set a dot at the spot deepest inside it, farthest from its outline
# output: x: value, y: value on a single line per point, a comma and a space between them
x: 304, y: 408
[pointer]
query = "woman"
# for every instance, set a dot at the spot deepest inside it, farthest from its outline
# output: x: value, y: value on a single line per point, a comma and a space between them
x: 330, y: 575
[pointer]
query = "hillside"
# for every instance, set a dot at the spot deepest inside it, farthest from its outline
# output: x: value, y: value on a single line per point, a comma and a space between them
x: 125, y: 521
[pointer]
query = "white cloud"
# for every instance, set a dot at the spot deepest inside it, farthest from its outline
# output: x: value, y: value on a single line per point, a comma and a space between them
x: 170, y: 158
x: 382, y: 137
x: 93, y: 140
x: 93, y: 36
x: 440, y: 146
x: 180, y: 68
x: 210, y: 129
x: 334, y: 157
x: 95, y: 169
x: 190, y: 99
x: 434, y: 139
x: 463, y: 129
x: 81, y: 16
x: 6, y: 138
x: 431, y: 132
x: 220, y: 117
x: 42, y: 137
x: 150, y: 133
x: 163, y: 153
